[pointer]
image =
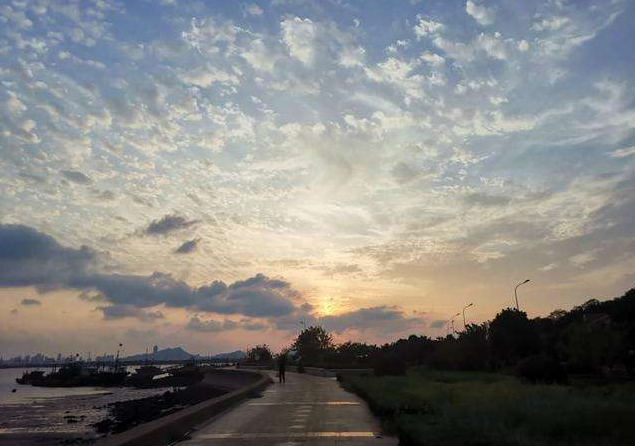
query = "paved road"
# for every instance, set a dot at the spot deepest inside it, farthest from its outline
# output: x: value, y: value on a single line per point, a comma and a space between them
x: 307, y: 410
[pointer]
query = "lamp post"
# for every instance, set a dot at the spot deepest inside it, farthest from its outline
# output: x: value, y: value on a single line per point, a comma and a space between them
x: 452, y: 321
x: 464, y: 308
x: 516, y: 292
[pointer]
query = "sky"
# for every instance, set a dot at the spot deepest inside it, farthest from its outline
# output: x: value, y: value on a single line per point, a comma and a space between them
x: 210, y: 173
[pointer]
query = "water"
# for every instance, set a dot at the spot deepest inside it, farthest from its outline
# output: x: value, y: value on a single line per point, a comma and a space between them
x: 27, y: 394
x: 62, y: 410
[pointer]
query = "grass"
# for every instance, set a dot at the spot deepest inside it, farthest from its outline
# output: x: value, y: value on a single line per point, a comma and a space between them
x: 428, y: 407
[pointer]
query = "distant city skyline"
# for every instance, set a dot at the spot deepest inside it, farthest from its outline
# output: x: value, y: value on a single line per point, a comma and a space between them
x: 41, y: 358
x: 212, y: 174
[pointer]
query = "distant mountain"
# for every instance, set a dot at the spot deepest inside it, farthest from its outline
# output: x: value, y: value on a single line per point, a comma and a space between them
x: 178, y: 354
x: 167, y: 354
x: 232, y: 356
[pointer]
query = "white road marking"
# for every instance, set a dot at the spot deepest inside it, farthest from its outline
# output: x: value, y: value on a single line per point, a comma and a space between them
x: 319, y: 403
x: 250, y: 435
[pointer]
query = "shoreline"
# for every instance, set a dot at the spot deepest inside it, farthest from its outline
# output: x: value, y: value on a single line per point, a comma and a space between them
x: 56, y: 419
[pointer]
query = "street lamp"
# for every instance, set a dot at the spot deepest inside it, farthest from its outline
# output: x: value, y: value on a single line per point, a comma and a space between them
x: 516, y: 293
x: 464, y: 308
x: 452, y: 321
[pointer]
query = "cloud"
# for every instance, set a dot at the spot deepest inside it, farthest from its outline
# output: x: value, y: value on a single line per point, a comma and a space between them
x: 258, y: 296
x: 492, y: 46
x: 129, y: 311
x: 76, y: 177
x: 486, y: 200
x: 30, y: 302
x: 187, y: 247
x: 300, y: 37
x: 215, y: 326
x: 259, y: 56
x: 550, y: 24
x: 426, y: 27
x: 30, y: 258
x: 623, y: 153
x: 381, y: 319
x: 168, y: 224
x: 254, y: 9
x: 211, y: 325
x: 438, y: 323
x: 342, y: 269
x: 482, y: 14
x: 433, y: 59
x: 206, y: 76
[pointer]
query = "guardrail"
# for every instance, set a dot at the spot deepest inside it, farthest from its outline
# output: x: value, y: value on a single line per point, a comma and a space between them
x: 173, y: 427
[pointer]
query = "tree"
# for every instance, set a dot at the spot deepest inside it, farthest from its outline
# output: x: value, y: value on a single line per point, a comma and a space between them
x: 259, y: 353
x: 512, y: 336
x: 588, y: 347
x: 352, y: 353
x: 473, y: 351
x: 313, y: 343
x: 414, y: 350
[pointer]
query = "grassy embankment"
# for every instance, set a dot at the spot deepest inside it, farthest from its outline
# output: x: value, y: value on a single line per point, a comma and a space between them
x: 428, y: 407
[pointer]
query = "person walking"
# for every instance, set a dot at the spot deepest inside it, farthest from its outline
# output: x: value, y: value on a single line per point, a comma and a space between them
x: 282, y: 365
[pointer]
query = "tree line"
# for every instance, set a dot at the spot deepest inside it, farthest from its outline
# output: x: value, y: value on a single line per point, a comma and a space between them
x: 595, y: 338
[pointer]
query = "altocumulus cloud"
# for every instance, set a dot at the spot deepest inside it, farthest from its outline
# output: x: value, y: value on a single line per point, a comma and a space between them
x: 30, y: 258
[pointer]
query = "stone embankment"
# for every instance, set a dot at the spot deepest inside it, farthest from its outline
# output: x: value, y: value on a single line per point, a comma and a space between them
x: 238, y: 384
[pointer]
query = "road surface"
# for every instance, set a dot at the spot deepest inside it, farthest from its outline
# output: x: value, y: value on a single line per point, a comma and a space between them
x: 307, y: 410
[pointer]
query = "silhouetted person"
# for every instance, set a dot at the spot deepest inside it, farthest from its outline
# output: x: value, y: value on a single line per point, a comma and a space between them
x: 282, y: 364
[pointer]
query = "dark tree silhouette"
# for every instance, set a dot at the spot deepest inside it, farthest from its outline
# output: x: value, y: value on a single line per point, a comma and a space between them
x: 313, y: 344
x: 512, y: 336
x: 473, y: 348
x: 260, y: 353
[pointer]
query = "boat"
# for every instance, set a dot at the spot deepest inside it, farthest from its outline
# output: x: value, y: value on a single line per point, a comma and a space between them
x: 77, y: 374
x: 27, y: 377
x: 148, y: 370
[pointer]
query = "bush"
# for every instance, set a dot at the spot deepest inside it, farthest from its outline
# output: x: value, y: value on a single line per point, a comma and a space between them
x: 389, y: 365
x: 541, y: 368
